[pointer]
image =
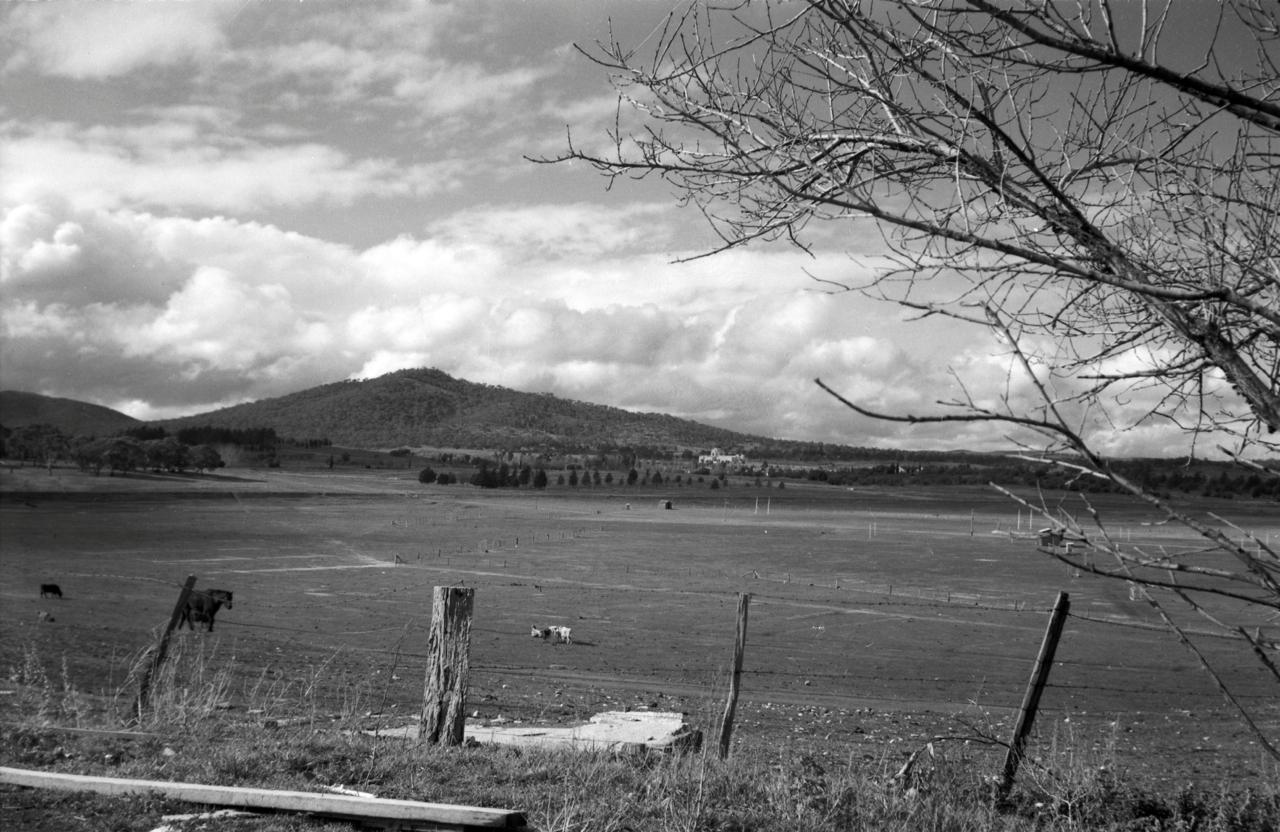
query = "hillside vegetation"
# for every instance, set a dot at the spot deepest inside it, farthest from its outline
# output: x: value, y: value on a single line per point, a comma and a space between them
x: 429, y: 407
x: 430, y: 410
x: 68, y: 415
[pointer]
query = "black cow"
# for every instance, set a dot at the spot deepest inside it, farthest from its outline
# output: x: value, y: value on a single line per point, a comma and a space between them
x: 203, y: 606
x: 50, y: 591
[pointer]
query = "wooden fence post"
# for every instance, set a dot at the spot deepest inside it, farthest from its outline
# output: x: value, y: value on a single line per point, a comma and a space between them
x: 162, y: 647
x: 448, y: 664
x: 1031, y: 699
x: 739, y: 644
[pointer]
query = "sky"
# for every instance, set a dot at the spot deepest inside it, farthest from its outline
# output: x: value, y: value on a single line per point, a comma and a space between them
x: 210, y: 202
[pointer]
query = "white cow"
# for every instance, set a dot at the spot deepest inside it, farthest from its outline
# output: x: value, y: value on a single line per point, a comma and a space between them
x: 562, y: 634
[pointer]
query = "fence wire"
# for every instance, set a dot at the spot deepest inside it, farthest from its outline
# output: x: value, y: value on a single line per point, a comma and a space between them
x: 835, y: 637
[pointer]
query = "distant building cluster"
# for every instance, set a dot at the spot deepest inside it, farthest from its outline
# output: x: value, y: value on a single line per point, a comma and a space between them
x: 719, y: 457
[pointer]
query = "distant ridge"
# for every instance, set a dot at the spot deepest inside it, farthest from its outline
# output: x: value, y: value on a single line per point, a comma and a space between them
x: 427, y: 407
x: 72, y: 417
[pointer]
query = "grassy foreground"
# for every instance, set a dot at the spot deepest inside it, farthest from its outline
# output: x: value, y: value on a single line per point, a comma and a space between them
x: 189, y: 735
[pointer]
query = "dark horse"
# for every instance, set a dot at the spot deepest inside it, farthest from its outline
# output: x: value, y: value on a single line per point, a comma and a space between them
x: 203, y: 606
x: 50, y: 591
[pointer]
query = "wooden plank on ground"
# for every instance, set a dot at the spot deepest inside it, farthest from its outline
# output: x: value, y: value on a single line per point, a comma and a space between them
x: 398, y: 814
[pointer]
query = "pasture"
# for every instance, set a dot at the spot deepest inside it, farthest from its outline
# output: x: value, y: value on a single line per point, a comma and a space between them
x: 877, y: 617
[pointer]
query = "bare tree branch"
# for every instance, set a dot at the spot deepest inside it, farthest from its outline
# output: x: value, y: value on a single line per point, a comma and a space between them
x: 1109, y: 205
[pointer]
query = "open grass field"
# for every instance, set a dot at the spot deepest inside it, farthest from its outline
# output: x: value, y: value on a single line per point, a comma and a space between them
x: 879, y: 619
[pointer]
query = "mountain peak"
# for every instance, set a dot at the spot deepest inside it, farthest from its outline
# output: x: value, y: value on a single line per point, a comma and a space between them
x: 428, y: 407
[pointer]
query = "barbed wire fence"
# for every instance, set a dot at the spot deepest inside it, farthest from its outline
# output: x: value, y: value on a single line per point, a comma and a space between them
x: 781, y: 663
x: 1085, y: 681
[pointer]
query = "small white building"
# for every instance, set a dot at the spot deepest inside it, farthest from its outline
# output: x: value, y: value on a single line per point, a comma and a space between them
x: 719, y: 457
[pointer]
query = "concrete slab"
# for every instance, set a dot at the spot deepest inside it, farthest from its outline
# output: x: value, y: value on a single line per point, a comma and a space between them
x: 611, y: 730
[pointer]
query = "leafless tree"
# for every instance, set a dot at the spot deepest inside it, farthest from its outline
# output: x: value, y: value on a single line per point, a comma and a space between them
x: 1100, y: 177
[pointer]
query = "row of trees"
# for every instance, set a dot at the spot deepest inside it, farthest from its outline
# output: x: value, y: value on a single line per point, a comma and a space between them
x: 46, y: 445
x: 1164, y: 481
x: 608, y: 456
x: 503, y: 475
x: 38, y: 444
x: 253, y: 439
x: 124, y: 454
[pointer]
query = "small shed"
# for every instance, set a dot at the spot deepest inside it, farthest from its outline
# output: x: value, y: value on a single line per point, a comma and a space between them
x: 666, y: 504
x: 1050, y: 537
x: 1056, y: 538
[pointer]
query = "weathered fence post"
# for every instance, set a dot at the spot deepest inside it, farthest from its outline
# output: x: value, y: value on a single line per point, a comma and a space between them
x: 448, y: 664
x: 1031, y: 699
x: 162, y: 647
x: 739, y: 644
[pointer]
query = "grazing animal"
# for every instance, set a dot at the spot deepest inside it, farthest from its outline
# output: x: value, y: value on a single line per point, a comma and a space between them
x: 50, y: 591
x: 203, y: 606
x: 543, y: 633
x: 44, y: 616
x: 563, y: 634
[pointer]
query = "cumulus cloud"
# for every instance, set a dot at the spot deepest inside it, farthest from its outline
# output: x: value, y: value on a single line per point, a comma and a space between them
x: 451, y: 88
x: 429, y: 63
x: 165, y: 315
x: 222, y: 311
x: 103, y: 40
x: 154, y: 157
x: 170, y: 165
x: 50, y: 254
x: 559, y: 231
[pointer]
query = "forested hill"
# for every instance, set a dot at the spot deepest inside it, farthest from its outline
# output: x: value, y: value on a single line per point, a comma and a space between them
x: 428, y: 407
x: 74, y: 418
